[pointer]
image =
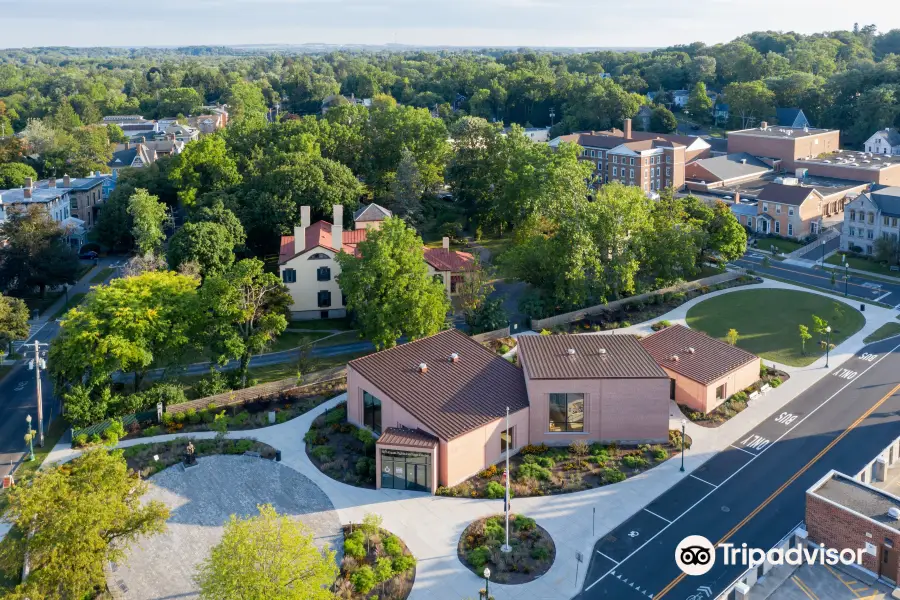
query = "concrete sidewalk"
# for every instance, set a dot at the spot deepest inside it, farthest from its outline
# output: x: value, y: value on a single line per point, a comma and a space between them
x: 431, y: 525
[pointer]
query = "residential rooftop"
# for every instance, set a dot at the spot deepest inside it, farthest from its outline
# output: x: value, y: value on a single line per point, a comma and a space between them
x: 449, y: 398
x: 449, y: 260
x: 695, y: 355
x: 860, y: 498
x: 38, y: 195
x: 586, y: 357
x: 318, y: 235
x: 887, y: 199
x: 732, y: 166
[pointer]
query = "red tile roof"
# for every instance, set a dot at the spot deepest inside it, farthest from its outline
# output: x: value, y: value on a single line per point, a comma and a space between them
x: 450, y: 398
x: 449, y: 260
x: 710, y: 360
x: 318, y: 235
x: 591, y: 357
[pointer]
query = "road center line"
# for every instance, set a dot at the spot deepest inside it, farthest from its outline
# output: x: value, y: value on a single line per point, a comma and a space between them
x: 742, y: 467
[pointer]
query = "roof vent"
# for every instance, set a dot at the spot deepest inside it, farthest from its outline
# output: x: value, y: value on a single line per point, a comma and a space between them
x: 571, y: 351
x: 601, y: 351
x: 894, y: 512
x: 675, y: 358
x: 423, y: 368
x: 691, y: 350
x: 454, y: 358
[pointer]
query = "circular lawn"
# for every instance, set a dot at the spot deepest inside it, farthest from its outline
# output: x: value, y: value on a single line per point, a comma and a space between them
x: 768, y: 322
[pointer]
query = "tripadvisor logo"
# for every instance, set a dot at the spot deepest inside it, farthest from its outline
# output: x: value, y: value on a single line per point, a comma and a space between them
x: 696, y: 555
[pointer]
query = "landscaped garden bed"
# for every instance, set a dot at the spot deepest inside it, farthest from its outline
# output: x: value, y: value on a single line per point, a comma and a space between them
x: 541, y: 470
x: 767, y: 322
x: 149, y: 459
x: 340, y: 449
x: 376, y: 563
x: 639, y: 312
x: 738, y: 401
x: 500, y: 346
x: 532, y: 554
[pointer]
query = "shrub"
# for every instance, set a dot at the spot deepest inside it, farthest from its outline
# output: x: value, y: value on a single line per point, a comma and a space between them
x: 546, y: 462
x: 763, y: 370
x: 403, y: 563
x: 659, y: 325
x: 363, y: 435
x: 612, y: 475
x: 152, y: 430
x: 540, y: 553
x: 96, y: 439
x: 579, y: 448
x: 192, y: 417
x: 533, y: 471
x: 504, y: 348
x: 525, y: 523
x: 167, y: 419
x: 491, y: 471
x: 179, y: 417
x: 494, y: 490
x: 451, y: 492
x: 240, y: 419
x: 660, y: 453
x: 530, y: 459
x: 365, y: 467
x: 600, y: 450
x: 494, y: 530
x: 335, y: 416
x: 633, y: 461
x: 208, y: 415
x: 675, y: 439
x: 775, y: 382
x: 115, y: 429
x: 242, y: 446
x: 363, y: 579
x: 479, y: 557
x: 323, y: 453
x: 81, y: 440
x: 311, y: 436
x: 392, y: 546
x: 534, y: 449
x: 354, y: 548
x: 546, y: 332
x: 739, y: 397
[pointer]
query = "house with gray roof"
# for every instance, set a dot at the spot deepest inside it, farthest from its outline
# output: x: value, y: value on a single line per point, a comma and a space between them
x: 870, y: 217
x: 133, y: 155
x: 884, y: 142
x: 791, y: 117
x: 720, y: 171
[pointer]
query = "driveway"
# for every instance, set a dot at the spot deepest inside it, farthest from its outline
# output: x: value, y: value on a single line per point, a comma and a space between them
x: 201, y: 500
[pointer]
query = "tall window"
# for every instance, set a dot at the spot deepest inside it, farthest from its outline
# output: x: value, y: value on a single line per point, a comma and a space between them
x: 720, y: 392
x: 324, y: 298
x: 372, y: 412
x: 506, y: 440
x: 567, y: 412
x: 323, y: 274
x: 777, y: 226
x: 852, y: 215
x: 289, y: 276
x: 790, y: 229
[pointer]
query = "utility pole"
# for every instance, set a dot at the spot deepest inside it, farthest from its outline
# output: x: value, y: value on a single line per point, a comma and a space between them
x: 37, y: 364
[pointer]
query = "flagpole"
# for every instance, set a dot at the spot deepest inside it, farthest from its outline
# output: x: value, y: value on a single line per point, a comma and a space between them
x: 506, y: 547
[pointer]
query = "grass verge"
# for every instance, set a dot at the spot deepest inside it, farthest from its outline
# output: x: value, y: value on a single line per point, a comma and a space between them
x: 102, y: 275
x: 74, y: 300
x: 885, y: 331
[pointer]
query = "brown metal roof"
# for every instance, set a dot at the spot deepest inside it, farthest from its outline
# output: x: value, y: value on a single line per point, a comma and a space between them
x: 594, y: 357
x: 711, y: 359
x: 450, y: 398
x: 411, y: 438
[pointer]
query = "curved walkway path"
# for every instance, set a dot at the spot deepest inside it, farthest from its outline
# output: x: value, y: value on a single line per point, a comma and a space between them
x: 431, y: 525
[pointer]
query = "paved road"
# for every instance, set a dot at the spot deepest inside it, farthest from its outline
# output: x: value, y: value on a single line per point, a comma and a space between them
x: 816, y: 253
x: 858, y: 285
x: 754, y: 491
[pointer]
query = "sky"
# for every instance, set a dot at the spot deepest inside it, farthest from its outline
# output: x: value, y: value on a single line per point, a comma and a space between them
x: 578, y: 23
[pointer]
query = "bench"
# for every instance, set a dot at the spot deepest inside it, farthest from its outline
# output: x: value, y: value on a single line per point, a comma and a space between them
x: 765, y: 388
x: 755, y: 395
x: 253, y: 454
x: 895, y: 267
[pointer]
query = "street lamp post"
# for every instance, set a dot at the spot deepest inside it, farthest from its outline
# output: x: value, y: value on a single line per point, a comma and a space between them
x: 683, y: 424
x: 846, y: 276
x: 506, y: 548
x: 827, y: 344
x: 29, y: 437
x: 487, y: 581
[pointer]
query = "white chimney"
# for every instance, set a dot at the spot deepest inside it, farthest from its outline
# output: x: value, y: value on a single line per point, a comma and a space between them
x: 445, y: 243
x: 337, y: 229
x: 454, y: 358
x: 66, y: 181
x: 300, y: 232
x: 27, y: 192
x: 423, y: 368
x: 28, y: 183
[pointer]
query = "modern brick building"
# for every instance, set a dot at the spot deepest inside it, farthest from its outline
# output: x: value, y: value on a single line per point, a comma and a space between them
x: 790, y: 146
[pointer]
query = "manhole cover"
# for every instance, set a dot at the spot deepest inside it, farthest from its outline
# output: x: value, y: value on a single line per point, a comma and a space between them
x: 726, y: 509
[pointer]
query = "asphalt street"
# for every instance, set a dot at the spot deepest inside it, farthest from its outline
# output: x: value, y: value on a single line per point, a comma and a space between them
x: 18, y: 399
x: 858, y: 285
x: 754, y: 491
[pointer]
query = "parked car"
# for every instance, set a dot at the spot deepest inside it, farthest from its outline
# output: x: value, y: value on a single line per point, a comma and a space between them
x: 88, y: 255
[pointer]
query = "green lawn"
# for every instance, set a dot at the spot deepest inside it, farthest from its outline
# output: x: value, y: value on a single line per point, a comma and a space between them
x: 768, y: 322
x: 321, y: 324
x: 102, y: 275
x: 885, y: 331
x: 74, y: 300
x: 786, y: 246
x: 862, y: 264
x: 294, y: 339
x: 497, y: 245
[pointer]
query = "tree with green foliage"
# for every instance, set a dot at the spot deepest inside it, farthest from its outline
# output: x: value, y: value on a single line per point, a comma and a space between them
x: 245, y: 308
x: 805, y: 336
x: 210, y: 245
x: 115, y: 135
x: 662, y: 120
x: 388, y: 287
x: 12, y: 175
x: 699, y: 104
x: 75, y: 519
x: 204, y: 166
x: 217, y: 213
x: 270, y: 557
x: 732, y: 337
x: 13, y: 321
x: 148, y: 215
x: 36, y: 253
x: 245, y: 101
x: 406, y: 189
x: 178, y: 101
x: 92, y: 150
x: 722, y: 234
x: 64, y: 117
x: 126, y: 326
x: 749, y: 102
